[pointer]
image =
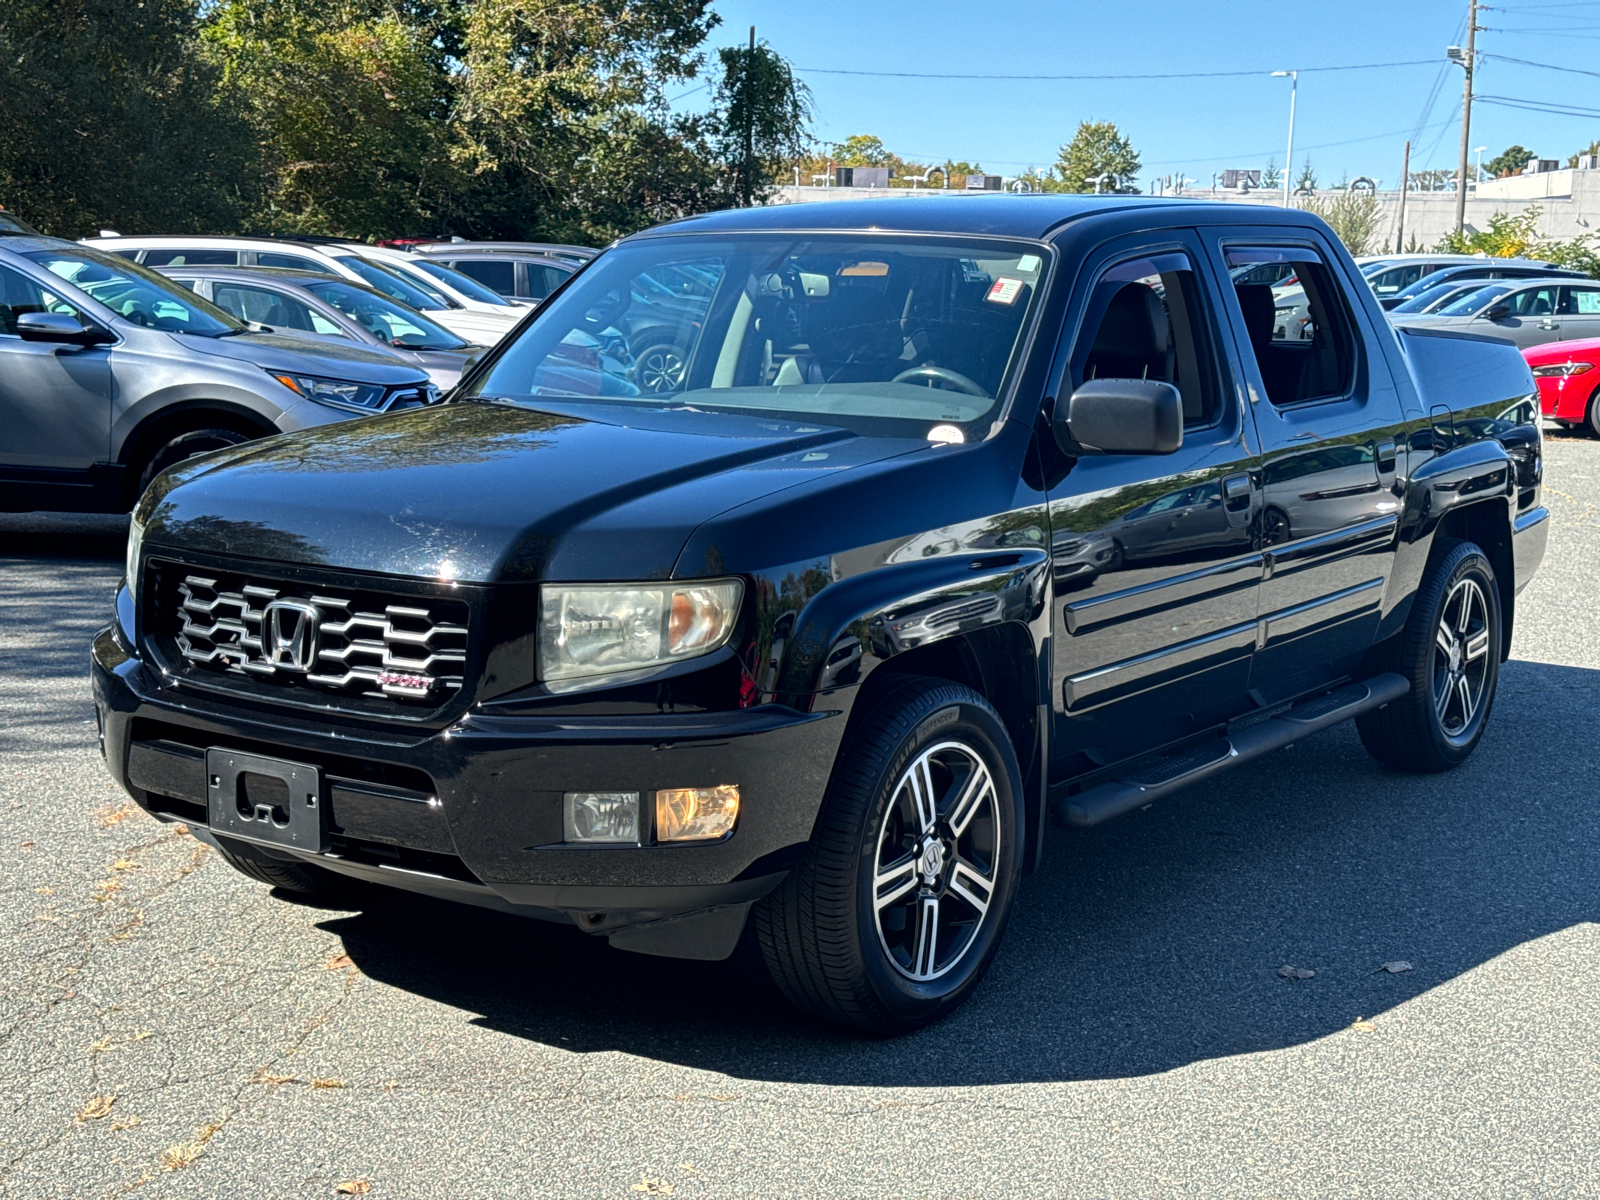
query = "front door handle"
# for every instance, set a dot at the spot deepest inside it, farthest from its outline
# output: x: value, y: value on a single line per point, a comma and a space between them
x: 1547, y: 323
x: 1237, y: 499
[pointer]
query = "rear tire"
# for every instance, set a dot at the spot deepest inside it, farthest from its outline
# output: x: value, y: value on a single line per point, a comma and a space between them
x: 1592, y: 417
x: 1450, y: 652
x: 187, y: 445
x: 896, y: 911
x: 303, y: 879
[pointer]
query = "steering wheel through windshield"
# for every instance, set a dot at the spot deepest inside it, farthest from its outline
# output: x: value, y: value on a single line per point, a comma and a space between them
x: 941, y: 377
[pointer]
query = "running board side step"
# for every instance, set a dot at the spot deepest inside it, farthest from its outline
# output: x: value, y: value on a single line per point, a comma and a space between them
x: 1158, y: 778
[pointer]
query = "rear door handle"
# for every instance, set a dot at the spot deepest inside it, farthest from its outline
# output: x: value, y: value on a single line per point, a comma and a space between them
x: 1385, y: 455
x: 1237, y: 496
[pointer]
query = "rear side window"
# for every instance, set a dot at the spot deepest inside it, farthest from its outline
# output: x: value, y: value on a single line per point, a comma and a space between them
x: 543, y: 280
x: 1580, y: 302
x: 1300, y: 329
x: 293, y: 262
x: 1390, y: 281
x: 166, y: 256
x: 1147, y: 320
x: 496, y: 275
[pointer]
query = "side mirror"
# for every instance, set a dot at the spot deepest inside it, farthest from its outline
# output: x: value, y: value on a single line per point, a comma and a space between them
x: 1120, y: 416
x: 60, y: 327
x: 1496, y: 311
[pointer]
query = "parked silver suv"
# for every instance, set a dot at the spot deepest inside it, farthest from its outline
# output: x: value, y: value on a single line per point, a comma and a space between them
x: 110, y: 373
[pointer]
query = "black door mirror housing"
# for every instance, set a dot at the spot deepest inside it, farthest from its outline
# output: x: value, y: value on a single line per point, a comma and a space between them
x: 1120, y: 416
x: 1495, y: 311
x: 60, y: 327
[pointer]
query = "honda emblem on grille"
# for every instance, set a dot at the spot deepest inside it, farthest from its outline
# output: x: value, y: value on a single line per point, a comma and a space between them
x: 289, y: 634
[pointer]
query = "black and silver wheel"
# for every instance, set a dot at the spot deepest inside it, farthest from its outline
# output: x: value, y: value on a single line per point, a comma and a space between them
x: 1450, y: 651
x: 938, y: 851
x: 660, y: 368
x: 1592, y: 414
x: 895, y: 913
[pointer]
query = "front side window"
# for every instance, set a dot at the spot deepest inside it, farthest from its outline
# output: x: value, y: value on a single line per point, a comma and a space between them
x: 20, y: 295
x: 395, y: 286
x: 1148, y: 322
x: 1300, y: 329
x: 544, y: 279
x: 273, y: 309
x: 1391, y: 281
x: 880, y: 335
x: 1533, y: 302
x: 136, y: 293
x: 169, y: 256
x: 1474, y: 302
x: 391, y: 323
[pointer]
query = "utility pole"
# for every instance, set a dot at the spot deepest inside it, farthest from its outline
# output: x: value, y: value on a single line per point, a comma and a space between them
x: 750, y: 121
x: 1400, y: 225
x: 1466, y: 61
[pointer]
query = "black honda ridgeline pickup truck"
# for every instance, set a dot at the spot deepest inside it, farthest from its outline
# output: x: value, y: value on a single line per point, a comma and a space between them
x: 942, y: 517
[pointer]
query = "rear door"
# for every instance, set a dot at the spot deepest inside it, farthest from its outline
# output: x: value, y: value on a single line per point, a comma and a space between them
x: 1155, y: 575
x: 1330, y: 420
x: 1579, y: 311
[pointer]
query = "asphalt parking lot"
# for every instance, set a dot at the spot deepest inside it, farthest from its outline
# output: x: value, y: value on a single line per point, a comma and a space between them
x: 172, y: 1029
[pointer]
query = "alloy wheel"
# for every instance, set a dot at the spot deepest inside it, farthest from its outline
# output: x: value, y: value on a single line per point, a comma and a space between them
x: 661, y: 370
x: 936, y: 867
x: 1461, y: 658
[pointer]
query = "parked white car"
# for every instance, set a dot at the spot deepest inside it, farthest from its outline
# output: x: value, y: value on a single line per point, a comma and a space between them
x: 429, y: 272
x: 301, y: 254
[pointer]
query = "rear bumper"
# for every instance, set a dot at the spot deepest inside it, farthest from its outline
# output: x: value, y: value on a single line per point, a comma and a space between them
x: 473, y: 812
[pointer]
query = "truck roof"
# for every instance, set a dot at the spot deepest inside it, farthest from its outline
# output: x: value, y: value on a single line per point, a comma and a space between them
x: 1028, y: 215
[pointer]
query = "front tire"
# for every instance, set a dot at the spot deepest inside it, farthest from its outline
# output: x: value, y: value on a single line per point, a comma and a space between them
x: 1450, y: 651
x: 303, y: 879
x: 187, y: 445
x: 894, y: 915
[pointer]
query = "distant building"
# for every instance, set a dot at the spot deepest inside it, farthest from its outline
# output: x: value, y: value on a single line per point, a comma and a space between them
x: 985, y: 183
x: 861, y: 177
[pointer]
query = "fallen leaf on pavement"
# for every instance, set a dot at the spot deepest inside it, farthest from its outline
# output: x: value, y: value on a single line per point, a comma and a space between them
x: 691, y: 1168
x: 124, y: 864
x: 1395, y: 968
x: 126, y: 1123
x: 107, y: 817
x: 653, y: 1187
x: 96, y: 1108
x: 338, y: 961
x: 327, y: 1083
x: 1362, y: 1026
x: 101, y: 1046
x: 354, y: 1187
x: 1296, y: 973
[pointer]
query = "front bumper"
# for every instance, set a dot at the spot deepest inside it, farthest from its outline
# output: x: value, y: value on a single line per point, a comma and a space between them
x: 492, y: 833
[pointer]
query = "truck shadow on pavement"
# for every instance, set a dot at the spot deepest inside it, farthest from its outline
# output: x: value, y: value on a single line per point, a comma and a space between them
x: 1150, y: 943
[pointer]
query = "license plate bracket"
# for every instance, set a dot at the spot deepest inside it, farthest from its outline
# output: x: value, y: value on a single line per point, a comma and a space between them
x: 266, y: 800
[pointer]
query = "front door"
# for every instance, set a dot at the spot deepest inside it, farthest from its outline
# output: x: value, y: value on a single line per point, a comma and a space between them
x: 1531, y: 318
x: 55, y: 407
x: 1330, y: 421
x: 1155, y: 575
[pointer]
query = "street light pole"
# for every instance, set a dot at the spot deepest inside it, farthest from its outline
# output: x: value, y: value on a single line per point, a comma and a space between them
x: 1288, y: 157
x: 1477, y: 176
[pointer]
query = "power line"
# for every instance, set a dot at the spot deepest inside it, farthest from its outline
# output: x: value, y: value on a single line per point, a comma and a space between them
x: 1175, y: 162
x: 1419, y: 62
x: 1558, y: 109
x: 1547, y: 66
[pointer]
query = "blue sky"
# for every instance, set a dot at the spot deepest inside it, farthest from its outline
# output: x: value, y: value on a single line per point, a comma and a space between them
x: 1196, y: 126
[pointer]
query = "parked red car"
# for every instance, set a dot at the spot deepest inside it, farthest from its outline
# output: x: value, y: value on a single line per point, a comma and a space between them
x: 1569, y: 381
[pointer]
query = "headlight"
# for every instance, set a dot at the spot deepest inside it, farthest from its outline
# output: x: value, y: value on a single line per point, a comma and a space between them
x: 1564, y: 369
x: 598, y: 629
x: 135, y: 544
x: 340, y: 393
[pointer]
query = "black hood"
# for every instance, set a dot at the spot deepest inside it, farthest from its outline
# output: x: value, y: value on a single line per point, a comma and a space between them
x: 482, y: 492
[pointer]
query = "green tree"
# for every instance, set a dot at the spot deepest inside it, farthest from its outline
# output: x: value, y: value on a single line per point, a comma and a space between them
x: 1516, y: 235
x: 763, y: 117
x: 109, y: 116
x: 1592, y: 148
x: 1508, y: 162
x: 1098, y: 148
x: 348, y: 103
x: 1353, y: 216
x: 862, y: 150
x: 1271, y: 177
x: 1307, y: 181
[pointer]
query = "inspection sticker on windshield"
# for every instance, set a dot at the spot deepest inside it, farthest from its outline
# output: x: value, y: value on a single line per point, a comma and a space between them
x: 1004, y: 291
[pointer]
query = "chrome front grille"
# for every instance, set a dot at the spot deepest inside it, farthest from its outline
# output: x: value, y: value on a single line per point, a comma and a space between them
x: 354, y: 644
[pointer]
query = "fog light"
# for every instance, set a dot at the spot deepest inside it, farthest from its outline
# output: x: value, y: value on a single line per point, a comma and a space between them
x: 695, y: 814
x: 601, y: 817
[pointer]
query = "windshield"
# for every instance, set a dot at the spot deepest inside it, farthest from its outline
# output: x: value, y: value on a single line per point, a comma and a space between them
x: 465, y: 284
x: 1428, y: 297
x: 385, y: 319
x: 410, y: 292
x: 135, y: 293
x: 1473, y: 303
x: 882, y: 336
x: 13, y: 224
